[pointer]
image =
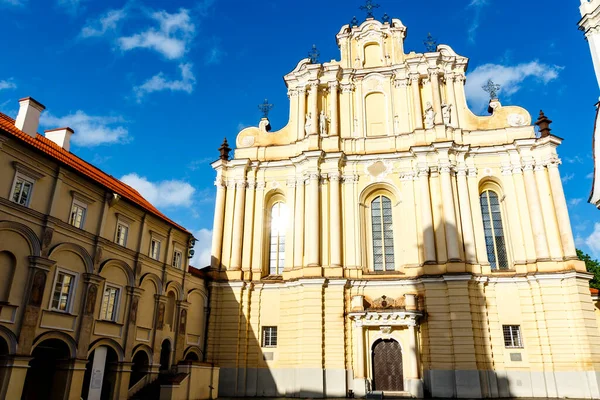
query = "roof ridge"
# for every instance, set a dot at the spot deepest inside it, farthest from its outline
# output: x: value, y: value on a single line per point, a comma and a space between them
x: 51, y: 149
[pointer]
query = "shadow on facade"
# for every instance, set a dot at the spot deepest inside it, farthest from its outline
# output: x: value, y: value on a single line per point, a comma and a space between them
x: 456, y: 344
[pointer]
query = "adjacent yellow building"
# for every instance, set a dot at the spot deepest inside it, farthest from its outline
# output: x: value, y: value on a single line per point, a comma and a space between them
x: 96, y: 297
x: 388, y: 239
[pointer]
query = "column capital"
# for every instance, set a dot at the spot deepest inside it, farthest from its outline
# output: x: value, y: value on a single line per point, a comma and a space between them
x: 292, y: 93
x: 333, y: 85
x: 462, y: 170
x: 347, y: 87
x: 261, y: 185
x: 291, y: 183
x: 408, y: 175
x: 240, y: 183
x: 528, y: 165
x: 472, y: 172
x: 423, y: 171
x: 506, y: 170
x: 414, y: 78
x: 134, y: 291
x: 350, y: 179
x: 300, y: 90
x: 314, y: 85
x: 401, y: 82
x: 433, y: 71
x: 251, y: 184
x: 334, y: 176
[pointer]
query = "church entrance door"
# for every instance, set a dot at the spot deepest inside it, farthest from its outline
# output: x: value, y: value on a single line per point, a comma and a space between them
x: 387, y: 366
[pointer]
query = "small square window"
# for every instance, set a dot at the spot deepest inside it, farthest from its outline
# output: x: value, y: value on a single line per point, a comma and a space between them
x: 22, y: 188
x: 177, y: 257
x: 110, y: 303
x: 121, y: 235
x: 155, y: 249
x: 512, y: 336
x: 78, y: 212
x: 269, y: 336
x: 63, y: 291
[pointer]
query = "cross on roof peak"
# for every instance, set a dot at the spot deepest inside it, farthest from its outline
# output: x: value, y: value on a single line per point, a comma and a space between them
x: 368, y: 7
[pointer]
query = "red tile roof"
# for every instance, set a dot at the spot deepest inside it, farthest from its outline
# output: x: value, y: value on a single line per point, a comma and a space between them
x: 594, y: 292
x: 57, y: 153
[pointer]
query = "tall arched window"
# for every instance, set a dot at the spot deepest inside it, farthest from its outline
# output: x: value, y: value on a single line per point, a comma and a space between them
x: 494, y: 231
x: 279, y: 220
x: 382, y: 234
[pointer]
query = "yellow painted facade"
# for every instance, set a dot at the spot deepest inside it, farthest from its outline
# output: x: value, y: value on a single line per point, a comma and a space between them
x: 473, y: 289
x: 83, y: 314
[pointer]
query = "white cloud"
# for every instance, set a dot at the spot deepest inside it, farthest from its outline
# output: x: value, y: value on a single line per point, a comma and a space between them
x: 14, y: 2
x: 171, y: 193
x: 159, y: 83
x: 70, y: 6
x: 202, y: 249
x: 574, y: 202
x: 573, y: 160
x: 566, y: 178
x: 7, y: 84
x: 593, y: 241
x: 590, y: 175
x: 105, y: 23
x: 90, y: 130
x: 171, y: 39
x: 478, y: 6
x: 510, y: 79
x: 214, y: 55
x: 579, y: 241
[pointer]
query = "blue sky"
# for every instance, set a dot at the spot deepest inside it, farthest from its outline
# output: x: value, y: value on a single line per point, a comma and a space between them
x: 152, y: 87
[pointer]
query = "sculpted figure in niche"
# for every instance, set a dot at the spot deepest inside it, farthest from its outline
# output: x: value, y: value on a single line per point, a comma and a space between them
x: 90, y: 303
x: 446, y: 110
x: 37, y: 289
x: 308, y: 124
x: 429, y: 116
x: 323, y: 123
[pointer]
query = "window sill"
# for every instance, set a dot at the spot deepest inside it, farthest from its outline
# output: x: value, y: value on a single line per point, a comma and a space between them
x: 272, y: 278
x: 107, y: 321
x: 59, y: 312
x: 383, y: 273
x: 500, y: 271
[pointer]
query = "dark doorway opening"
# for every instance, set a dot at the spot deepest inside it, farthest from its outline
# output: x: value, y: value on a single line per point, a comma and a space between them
x: 387, y: 366
x: 191, y: 356
x: 165, y: 355
x: 139, y: 368
x: 43, y: 380
x: 109, y: 376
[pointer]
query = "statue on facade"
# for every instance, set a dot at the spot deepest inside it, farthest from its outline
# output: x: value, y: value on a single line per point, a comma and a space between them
x: 429, y: 116
x: 323, y: 123
x: 308, y: 124
x: 446, y: 113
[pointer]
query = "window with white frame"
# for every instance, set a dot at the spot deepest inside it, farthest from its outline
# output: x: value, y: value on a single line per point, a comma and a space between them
x: 64, y: 287
x: 177, y: 258
x: 512, y: 336
x: 493, y: 229
x: 78, y: 212
x: 382, y: 234
x: 155, y: 249
x: 121, y: 234
x: 269, y: 336
x: 279, y: 222
x: 110, y: 303
x: 22, y: 189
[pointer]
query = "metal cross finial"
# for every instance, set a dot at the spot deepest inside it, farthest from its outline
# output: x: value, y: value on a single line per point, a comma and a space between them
x: 491, y: 88
x: 368, y: 7
x: 354, y: 22
x: 314, y: 54
x: 386, y: 18
x: 430, y: 43
x: 265, y: 107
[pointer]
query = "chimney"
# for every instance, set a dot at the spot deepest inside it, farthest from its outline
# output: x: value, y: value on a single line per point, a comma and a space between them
x: 60, y: 136
x: 28, y: 118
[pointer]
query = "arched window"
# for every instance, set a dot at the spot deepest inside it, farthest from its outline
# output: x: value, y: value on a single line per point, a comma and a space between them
x: 493, y: 229
x: 278, y: 227
x: 382, y: 234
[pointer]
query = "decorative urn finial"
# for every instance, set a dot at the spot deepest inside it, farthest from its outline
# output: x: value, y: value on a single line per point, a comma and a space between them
x: 224, y: 150
x: 543, y: 124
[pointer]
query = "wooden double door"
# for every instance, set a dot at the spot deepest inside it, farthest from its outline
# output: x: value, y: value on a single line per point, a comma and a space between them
x: 387, y: 366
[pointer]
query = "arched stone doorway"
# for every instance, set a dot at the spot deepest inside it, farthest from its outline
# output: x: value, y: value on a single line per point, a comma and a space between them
x: 139, y: 369
x: 165, y: 355
x: 100, y: 374
x: 44, y: 379
x: 191, y: 356
x: 387, y: 366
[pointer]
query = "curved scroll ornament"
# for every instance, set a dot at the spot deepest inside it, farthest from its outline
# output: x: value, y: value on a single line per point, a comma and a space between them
x: 516, y: 120
x: 37, y: 288
x: 387, y: 302
x: 90, y: 303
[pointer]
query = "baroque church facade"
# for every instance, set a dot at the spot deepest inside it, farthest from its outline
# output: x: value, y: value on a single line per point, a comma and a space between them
x: 388, y: 239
